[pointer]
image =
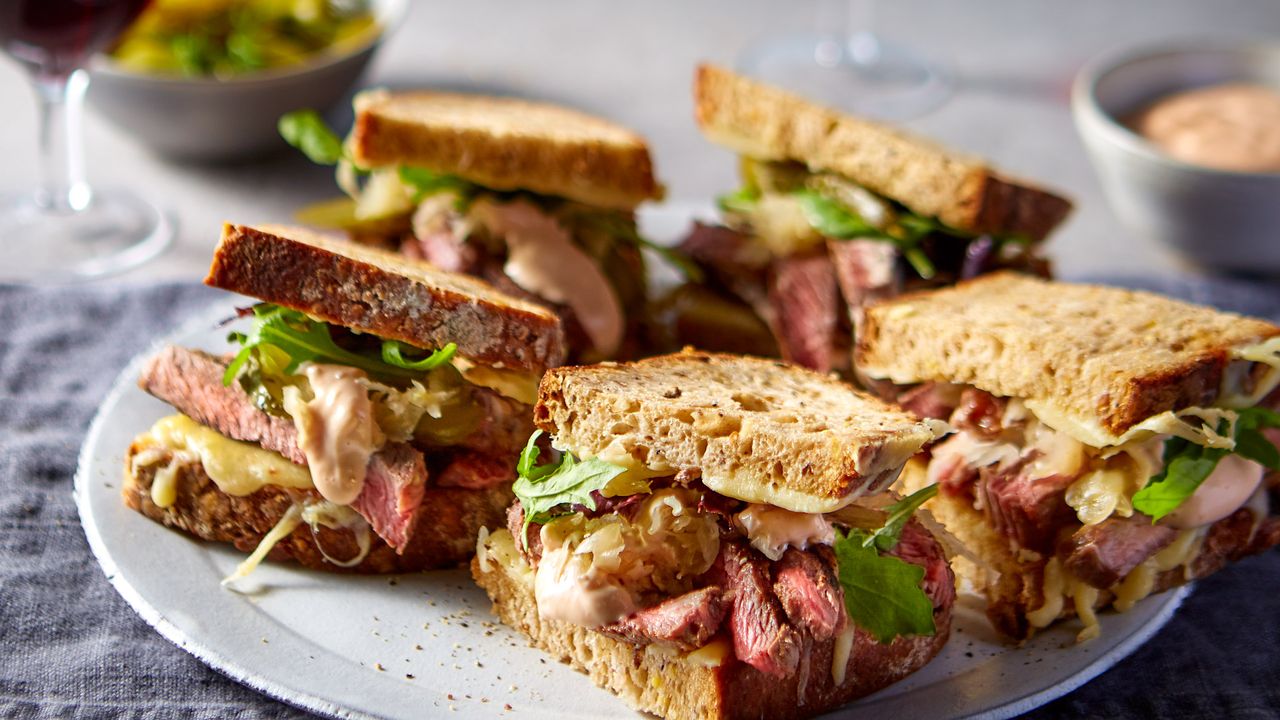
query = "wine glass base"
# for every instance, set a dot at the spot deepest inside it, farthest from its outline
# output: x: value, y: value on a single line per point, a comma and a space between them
x: 861, y: 73
x: 117, y: 231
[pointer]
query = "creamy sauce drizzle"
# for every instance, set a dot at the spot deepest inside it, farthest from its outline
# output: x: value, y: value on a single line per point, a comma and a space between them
x: 1233, y: 126
x: 336, y: 430
x: 1226, y: 489
x: 772, y: 529
x: 565, y: 592
x: 543, y: 259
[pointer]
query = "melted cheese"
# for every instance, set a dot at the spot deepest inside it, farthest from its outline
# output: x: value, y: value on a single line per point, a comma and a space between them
x: 1090, y: 432
x: 1139, y: 583
x: 772, y: 530
x: 518, y: 385
x: 711, y: 655
x: 336, y: 430
x: 237, y: 468
x: 1054, y: 590
x: 1085, y: 596
x: 840, y: 653
x: 1267, y: 353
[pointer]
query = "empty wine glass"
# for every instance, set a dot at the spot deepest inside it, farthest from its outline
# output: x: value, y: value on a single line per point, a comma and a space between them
x: 65, y: 230
x: 847, y: 65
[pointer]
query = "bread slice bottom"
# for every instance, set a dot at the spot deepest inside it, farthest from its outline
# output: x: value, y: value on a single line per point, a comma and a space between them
x: 1014, y: 580
x: 709, y: 682
x: 444, y: 535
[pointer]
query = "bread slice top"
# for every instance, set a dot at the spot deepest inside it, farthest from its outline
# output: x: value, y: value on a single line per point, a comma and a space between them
x: 506, y: 144
x: 758, y: 430
x: 767, y: 123
x: 1099, y: 360
x: 387, y: 295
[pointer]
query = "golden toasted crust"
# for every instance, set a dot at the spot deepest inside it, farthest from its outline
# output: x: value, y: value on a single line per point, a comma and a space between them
x: 1103, y: 355
x: 669, y: 685
x: 387, y: 295
x: 443, y: 537
x: 758, y: 430
x: 767, y: 123
x: 506, y: 144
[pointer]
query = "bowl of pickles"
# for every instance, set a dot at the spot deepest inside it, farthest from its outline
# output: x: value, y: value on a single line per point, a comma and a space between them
x: 207, y: 80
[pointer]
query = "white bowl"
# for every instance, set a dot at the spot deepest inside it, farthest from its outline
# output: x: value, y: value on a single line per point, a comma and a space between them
x: 208, y: 119
x: 1217, y: 218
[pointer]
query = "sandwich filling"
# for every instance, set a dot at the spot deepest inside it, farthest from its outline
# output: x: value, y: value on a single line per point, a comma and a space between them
x: 660, y: 559
x: 804, y: 249
x: 582, y: 261
x: 356, y: 424
x: 1185, y: 492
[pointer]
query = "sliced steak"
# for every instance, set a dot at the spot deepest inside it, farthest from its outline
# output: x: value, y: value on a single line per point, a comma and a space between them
x: 1103, y: 554
x: 979, y: 413
x: 806, y: 584
x: 806, y: 308
x: 475, y: 471
x: 1030, y: 511
x: 724, y: 249
x: 191, y: 381
x: 761, y: 636
x: 918, y: 546
x: 685, y: 622
x: 931, y: 400
x: 532, y: 547
x: 867, y: 271
x: 394, y: 484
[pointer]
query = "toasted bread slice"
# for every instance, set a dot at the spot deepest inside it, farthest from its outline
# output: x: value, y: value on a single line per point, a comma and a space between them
x: 506, y: 144
x: 387, y: 295
x: 1092, y: 361
x: 708, y: 683
x: 767, y: 123
x: 758, y: 430
x: 444, y: 536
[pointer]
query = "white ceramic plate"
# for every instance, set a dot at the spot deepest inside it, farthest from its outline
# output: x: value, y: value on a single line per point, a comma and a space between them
x: 415, y: 645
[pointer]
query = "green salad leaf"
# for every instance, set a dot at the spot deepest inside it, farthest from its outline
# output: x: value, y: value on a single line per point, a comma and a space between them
x: 886, y: 538
x: 742, y: 200
x: 290, y: 337
x: 425, y: 182
x: 834, y: 220
x: 547, y: 491
x: 307, y: 131
x: 1187, y: 465
x: 882, y: 593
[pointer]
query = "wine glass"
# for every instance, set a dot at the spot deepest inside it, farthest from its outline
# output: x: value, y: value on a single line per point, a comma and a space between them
x: 847, y: 65
x: 65, y: 230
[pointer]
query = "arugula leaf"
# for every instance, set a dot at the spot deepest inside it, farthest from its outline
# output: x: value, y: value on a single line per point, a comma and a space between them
x: 425, y: 182
x: 742, y: 200
x: 546, y: 491
x: 281, y: 330
x: 882, y: 593
x: 1187, y: 465
x: 307, y: 131
x: 833, y: 219
x: 886, y: 538
x: 393, y: 354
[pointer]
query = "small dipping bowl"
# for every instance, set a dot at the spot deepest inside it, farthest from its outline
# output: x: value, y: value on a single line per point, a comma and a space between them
x: 1219, y: 219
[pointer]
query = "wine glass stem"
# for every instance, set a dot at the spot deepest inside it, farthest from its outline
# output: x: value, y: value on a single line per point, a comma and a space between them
x: 62, y: 186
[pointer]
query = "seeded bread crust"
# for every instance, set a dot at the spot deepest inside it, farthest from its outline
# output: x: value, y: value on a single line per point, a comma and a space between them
x: 506, y: 144
x: 768, y: 123
x: 660, y: 681
x: 387, y: 295
x: 758, y: 430
x: 443, y: 537
x: 1112, y: 356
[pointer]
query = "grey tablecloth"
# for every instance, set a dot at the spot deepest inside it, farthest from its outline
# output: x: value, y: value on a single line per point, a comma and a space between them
x: 71, y: 647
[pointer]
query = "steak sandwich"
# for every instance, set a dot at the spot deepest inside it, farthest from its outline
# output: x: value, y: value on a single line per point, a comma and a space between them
x: 710, y: 536
x: 534, y: 198
x: 836, y: 211
x: 1109, y: 444
x: 367, y: 421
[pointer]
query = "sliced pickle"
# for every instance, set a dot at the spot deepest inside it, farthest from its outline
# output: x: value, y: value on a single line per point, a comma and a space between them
x: 694, y: 315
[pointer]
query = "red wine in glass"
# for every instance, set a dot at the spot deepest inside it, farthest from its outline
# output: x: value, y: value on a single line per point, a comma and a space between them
x: 65, y: 230
x: 57, y: 36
